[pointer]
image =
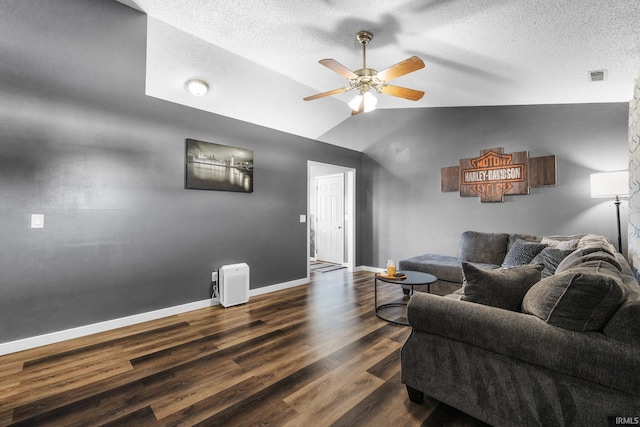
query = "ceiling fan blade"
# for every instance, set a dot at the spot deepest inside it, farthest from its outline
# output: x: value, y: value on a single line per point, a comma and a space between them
x: 407, y: 66
x: 337, y: 67
x: 402, y: 92
x: 328, y: 93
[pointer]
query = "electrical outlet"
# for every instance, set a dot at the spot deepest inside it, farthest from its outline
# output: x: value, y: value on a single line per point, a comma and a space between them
x: 214, y: 276
x: 37, y: 220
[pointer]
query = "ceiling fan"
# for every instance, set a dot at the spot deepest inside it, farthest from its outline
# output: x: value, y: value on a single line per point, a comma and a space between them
x: 365, y: 79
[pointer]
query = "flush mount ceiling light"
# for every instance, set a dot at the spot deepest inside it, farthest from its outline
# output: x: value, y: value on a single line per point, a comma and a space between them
x: 197, y: 87
x: 365, y: 79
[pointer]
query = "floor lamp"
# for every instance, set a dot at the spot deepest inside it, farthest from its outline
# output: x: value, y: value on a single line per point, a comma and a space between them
x: 611, y: 185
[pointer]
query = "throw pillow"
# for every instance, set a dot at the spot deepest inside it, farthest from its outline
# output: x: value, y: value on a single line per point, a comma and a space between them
x: 575, y: 300
x: 503, y: 288
x: 550, y: 258
x: 561, y: 244
x: 514, y: 237
x: 521, y: 253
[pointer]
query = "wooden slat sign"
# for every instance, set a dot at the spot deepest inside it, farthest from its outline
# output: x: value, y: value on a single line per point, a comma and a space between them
x: 495, y: 174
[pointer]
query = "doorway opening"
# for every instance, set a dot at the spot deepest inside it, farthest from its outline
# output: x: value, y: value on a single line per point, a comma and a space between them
x: 331, y: 215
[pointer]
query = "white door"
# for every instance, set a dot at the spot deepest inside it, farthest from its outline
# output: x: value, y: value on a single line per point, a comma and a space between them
x: 330, y: 218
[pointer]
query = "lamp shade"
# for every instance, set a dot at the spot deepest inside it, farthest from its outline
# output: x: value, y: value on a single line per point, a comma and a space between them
x: 610, y: 184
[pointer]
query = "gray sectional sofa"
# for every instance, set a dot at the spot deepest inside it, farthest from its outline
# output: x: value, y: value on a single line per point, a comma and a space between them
x: 553, y: 341
x: 485, y: 250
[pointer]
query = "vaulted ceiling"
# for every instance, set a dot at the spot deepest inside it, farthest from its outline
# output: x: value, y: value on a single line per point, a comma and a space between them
x: 260, y: 57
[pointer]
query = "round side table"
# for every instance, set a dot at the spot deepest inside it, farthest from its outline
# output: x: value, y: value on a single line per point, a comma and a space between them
x: 413, y: 278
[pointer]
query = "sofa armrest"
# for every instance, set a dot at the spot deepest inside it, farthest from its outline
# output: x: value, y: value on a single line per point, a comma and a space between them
x: 588, y: 355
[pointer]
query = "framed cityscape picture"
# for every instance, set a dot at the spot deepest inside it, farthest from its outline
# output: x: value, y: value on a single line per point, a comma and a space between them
x: 212, y: 166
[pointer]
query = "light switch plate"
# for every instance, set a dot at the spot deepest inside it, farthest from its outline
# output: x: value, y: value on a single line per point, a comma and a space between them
x: 37, y: 220
x: 303, y: 218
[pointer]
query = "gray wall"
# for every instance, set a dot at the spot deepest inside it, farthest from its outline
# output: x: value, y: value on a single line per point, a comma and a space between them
x: 406, y: 214
x: 82, y: 144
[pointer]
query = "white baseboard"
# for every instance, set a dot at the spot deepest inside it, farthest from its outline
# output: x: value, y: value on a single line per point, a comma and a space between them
x: 59, y: 336
x: 278, y: 287
x: 371, y: 269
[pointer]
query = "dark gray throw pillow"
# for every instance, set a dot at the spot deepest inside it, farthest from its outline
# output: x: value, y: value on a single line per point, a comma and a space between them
x: 522, y: 252
x: 576, y: 299
x: 503, y: 288
x: 550, y: 258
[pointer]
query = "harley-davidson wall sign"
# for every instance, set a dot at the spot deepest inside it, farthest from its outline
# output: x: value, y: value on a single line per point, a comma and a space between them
x: 495, y: 174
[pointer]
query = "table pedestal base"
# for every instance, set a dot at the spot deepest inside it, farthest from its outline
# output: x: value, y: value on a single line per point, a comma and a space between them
x: 412, y: 279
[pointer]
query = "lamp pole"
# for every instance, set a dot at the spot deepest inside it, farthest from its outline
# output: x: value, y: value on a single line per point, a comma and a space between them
x: 617, y: 203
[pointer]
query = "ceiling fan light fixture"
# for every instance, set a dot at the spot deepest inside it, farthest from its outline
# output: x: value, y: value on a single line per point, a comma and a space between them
x: 370, y: 102
x: 197, y: 87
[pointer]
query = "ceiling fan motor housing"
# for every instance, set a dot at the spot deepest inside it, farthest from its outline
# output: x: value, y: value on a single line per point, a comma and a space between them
x: 364, y: 37
x: 367, y: 79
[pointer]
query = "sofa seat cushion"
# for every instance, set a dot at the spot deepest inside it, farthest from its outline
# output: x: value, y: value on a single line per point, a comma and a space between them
x: 503, y: 288
x: 447, y: 268
x: 485, y: 248
x: 582, y: 298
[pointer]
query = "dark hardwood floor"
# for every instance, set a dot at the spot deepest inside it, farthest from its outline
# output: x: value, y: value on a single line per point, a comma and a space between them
x: 314, y: 355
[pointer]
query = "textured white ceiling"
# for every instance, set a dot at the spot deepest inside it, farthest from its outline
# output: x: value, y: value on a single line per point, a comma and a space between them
x: 260, y: 57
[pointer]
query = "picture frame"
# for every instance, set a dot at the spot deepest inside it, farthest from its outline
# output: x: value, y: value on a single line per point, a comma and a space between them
x: 211, y: 166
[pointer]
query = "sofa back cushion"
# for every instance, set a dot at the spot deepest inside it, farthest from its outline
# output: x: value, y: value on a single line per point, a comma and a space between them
x: 588, y: 253
x: 561, y: 243
x: 596, y: 240
x: 486, y: 248
x: 582, y: 298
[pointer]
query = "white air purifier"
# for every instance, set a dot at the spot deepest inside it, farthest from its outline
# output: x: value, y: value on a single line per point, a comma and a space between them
x: 234, y: 284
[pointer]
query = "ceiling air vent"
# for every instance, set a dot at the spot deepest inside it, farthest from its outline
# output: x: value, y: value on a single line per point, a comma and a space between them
x: 597, y: 75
